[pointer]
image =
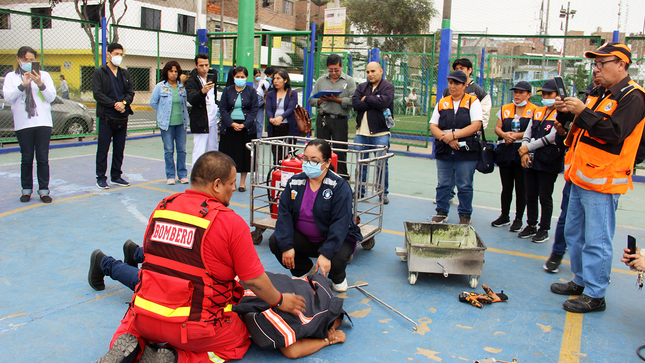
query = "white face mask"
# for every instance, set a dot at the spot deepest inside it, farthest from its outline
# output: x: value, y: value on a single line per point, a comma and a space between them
x: 116, y: 60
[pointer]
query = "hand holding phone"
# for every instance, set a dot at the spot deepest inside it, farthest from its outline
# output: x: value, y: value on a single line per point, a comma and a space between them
x: 631, y: 246
x: 562, y: 90
x: 35, y: 67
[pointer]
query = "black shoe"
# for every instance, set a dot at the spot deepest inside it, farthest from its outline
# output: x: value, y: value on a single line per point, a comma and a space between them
x: 102, y: 184
x: 501, y: 221
x: 440, y: 217
x: 527, y: 232
x: 585, y: 304
x: 25, y: 198
x: 385, y: 199
x: 129, y: 248
x: 540, y: 237
x: 120, y: 181
x: 567, y: 288
x: 464, y: 219
x: 161, y: 355
x: 516, y: 226
x: 96, y: 275
x: 46, y: 199
x: 124, y: 350
x: 553, y: 263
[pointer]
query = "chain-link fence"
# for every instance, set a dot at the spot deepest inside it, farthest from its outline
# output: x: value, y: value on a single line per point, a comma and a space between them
x: 408, y: 61
x: 66, y: 47
x: 637, y: 68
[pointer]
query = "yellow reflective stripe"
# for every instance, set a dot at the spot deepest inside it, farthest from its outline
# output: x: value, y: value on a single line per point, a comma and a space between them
x: 160, y: 309
x: 182, y: 217
x: 213, y: 358
x: 228, y: 307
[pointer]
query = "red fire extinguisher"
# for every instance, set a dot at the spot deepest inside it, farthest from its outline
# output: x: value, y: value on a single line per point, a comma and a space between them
x: 279, y: 177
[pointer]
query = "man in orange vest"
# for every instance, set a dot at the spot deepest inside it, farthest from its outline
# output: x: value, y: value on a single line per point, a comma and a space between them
x: 194, y: 247
x: 603, y: 140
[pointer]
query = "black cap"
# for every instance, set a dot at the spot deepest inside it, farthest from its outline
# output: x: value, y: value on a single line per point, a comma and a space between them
x: 522, y: 86
x: 458, y: 76
x: 619, y: 50
x: 587, y: 90
x: 549, y: 86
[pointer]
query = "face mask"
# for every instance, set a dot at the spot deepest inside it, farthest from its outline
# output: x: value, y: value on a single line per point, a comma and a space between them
x: 523, y: 103
x: 269, y: 79
x: 548, y: 102
x: 258, y: 79
x: 26, y: 66
x: 240, y: 82
x: 116, y: 60
x: 310, y: 170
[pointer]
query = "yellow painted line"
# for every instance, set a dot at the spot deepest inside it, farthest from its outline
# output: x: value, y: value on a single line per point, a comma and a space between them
x: 571, y: 337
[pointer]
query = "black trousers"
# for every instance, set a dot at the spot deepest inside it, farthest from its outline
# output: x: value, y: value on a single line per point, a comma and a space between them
x: 117, y: 138
x: 513, y: 177
x: 305, y: 250
x: 539, y: 185
x: 279, y: 152
x: 30, y: 139
x: 334, y: 129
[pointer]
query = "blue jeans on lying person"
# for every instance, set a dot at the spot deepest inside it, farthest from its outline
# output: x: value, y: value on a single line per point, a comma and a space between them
x: 455, y: 172
x: 121, y: 271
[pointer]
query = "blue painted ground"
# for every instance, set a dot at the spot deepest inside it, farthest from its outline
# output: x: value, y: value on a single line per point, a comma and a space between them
x: 49, y: 313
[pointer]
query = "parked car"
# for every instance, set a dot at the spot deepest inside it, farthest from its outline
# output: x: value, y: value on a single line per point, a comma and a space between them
x: 68, y: 117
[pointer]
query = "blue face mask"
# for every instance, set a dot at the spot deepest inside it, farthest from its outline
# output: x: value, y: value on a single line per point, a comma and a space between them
x: 311, y: 171
x: 269, y: 79
x: 26, y: 66
x: 521, y: 104
x: 548, y: 102
x: 240, y: 82
x: 258, y: 79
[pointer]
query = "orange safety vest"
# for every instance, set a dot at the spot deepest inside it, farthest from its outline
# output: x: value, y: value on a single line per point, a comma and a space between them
x: 594, y: 164
x: 175, y: 285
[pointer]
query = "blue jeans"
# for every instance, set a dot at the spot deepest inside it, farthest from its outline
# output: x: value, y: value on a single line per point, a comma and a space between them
x: 122, y: 272
x: 589, y: 232
x: 373, y: 140
x: 560, y: 243
x: 176, y: 135
x: 457, y: 172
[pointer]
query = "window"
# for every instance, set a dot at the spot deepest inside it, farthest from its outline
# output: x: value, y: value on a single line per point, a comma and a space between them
x: 4, y: 21
x: 94, y: 12
x: 35, y: 20
x: 51, y: 69
x: 287, y: 7
x: 186, y: 24
x: 86, y: 78
x: 140, y: 78
x: 5, y: 68
x: 150, y: 18
x: 268, y: 4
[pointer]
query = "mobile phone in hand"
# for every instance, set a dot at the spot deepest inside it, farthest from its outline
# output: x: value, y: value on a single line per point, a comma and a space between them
x: 562, y: 90
x: 631, y: 245
x: 211, y: 76
x: 35, y: 67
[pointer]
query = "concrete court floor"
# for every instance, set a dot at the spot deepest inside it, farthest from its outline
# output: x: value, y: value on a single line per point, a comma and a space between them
x: 49, y: 313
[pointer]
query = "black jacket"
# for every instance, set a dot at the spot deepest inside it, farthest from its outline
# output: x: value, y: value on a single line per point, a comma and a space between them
x: 374, y: 104
x: 198, y: 113
x: 101, y: 84
x: 249, y: 108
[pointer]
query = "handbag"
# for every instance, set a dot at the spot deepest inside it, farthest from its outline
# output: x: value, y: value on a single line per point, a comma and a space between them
x: 486, y: 162
x: 117, y: 123
x: 303, y: 119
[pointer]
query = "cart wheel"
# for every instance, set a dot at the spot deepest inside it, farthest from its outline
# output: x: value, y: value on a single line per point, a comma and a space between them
x: 412, y: 278
x: 369, y: 244
x: 257, y: 236
x: 474, y: 281
x: 404, y: 258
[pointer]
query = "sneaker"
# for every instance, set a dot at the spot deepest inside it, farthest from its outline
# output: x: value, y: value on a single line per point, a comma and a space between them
x: 553, y: 263
x: 541, y: 236
x: 183, y: 180
x: 516, y: 226
x: 124, y: 349
x: 129, y: 249
x: 161, y: 355
x: 440, y: 217
x: 585, y: 304
x: 464, y: 219
x: 311, y: 272
x: 385, y: 199
x: 95, y: 275
x: 567, y: 288
x: 120, y: 181
x: 342, y: 287
x: 102, y: 184
x: 25, y: 198
x: 501, y: 221
x: 170, y: 181
x: 527, y: 232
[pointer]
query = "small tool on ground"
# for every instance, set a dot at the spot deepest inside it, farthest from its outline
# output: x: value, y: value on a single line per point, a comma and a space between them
x: 358, y: 286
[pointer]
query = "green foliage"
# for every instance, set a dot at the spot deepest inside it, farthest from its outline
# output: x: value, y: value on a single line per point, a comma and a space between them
x: 391, y: 16
x: 580, y: 78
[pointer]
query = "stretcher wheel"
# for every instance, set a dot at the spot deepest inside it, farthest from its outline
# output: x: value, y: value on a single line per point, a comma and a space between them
x: 474, y: 281
x: 257, y: 236
x: 412, y: 278
x: 369, y: 244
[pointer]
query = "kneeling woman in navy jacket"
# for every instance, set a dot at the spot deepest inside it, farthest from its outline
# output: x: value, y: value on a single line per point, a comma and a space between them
x: 315, y: 220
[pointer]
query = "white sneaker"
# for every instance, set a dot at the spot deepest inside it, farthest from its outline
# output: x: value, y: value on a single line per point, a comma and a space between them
x: 311, y: 272
x: 342, y: 287
x: 170, y: 181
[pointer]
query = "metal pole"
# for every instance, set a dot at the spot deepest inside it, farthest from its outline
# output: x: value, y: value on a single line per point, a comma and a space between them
x: 416, y: 326
x: 445, y: 49
x: 42, y: 53
x: 158, y: 77
x: 564, y: 46
x: 308, y: 15
x: 104, y: 40
x: 245, y: 36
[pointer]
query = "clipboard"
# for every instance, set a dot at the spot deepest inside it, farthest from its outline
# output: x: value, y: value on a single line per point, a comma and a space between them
x: 326, y: 93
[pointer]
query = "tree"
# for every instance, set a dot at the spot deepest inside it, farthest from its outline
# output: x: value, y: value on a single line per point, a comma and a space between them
x: 580, y: 78
x: 391, y: 16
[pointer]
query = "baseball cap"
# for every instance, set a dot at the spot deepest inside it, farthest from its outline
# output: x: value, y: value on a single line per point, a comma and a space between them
x: 522, y: 86
x: 458, y: 76
x: 618, y: 49
x: 587, y: 90
x: 549, y: 86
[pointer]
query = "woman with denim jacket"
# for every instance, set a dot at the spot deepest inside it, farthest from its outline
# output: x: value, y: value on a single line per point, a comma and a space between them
x: 169, y: 100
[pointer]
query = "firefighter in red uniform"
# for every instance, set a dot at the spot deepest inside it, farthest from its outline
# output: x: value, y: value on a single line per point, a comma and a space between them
x: 194, y: 247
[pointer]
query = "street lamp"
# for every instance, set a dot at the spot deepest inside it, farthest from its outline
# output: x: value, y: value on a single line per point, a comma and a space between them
x: 565, y: 14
